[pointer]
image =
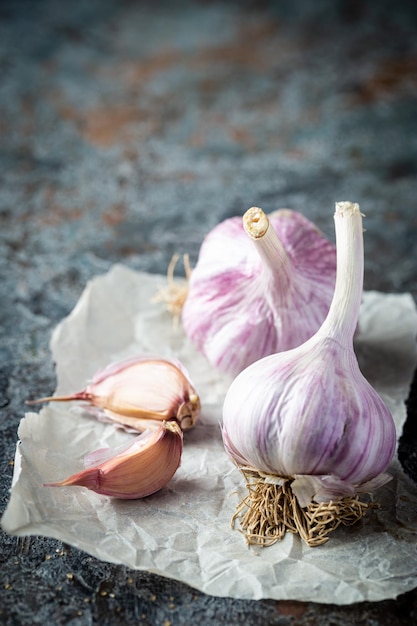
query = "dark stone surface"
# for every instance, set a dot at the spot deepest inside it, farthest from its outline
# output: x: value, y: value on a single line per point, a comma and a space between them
x: 127, y: 131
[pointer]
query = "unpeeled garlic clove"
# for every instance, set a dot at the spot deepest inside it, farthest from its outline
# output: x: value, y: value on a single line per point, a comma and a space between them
x: 261, y: 285
x: 138, y: 393
x: 135, y: 470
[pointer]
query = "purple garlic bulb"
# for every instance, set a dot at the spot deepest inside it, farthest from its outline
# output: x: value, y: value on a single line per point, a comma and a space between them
x: 259, y: 287
x: 308, y: 414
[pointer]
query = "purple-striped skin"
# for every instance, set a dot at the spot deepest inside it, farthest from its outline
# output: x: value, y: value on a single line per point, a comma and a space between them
x: 247, y: 300
x: 308, y: 413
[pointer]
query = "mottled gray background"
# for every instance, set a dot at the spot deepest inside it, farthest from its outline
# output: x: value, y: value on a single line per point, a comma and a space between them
x: 127, y: 131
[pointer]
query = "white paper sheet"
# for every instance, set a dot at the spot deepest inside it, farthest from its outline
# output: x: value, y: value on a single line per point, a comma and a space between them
x: 183, y: 532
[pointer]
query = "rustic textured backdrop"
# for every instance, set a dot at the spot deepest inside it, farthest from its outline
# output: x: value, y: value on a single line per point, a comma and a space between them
x: 127, y: 131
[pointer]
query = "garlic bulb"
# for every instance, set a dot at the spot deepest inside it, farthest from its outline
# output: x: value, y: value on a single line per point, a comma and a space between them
x: 260, y: 287
x: 138, y: 393
x: 135, y: 470
x: 306, y: 423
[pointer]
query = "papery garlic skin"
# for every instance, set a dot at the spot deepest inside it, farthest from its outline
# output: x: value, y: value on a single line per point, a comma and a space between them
x: 135, y: 470
x: 308, y: 413
x: 253, y: 296
x: 139, y: 393
x: 350, y: 442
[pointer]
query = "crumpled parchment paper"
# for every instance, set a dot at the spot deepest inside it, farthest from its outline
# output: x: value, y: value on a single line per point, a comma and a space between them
x: 183, y: 532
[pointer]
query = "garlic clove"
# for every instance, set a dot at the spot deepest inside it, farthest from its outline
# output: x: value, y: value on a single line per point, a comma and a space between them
x: 254, y: 281
x: 140, y: 392
x: 135, y: 470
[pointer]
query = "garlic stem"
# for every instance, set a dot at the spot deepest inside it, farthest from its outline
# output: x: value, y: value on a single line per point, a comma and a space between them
x: 255, y: 222
x: 342, y: 319
x: 269, y: 247
x: 79, y: 395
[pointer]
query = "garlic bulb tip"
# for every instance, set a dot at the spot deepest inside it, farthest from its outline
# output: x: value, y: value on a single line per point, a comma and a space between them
x: 255, y: 222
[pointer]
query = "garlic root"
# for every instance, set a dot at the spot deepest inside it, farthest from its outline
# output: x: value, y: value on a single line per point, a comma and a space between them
x: 174, y: 294
x: 271, y: 510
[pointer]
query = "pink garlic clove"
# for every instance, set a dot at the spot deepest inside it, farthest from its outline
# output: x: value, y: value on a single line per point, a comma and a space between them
x: 140, y: 392
x: 135, y: 470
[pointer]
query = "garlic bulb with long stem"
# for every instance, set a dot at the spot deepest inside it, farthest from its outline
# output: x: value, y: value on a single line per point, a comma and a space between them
x: 305, y: 425
x: 260, y: 286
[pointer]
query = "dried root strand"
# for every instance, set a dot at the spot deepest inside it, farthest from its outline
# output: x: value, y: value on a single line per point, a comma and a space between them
x: 174, y: 294
x: 270, y: 510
